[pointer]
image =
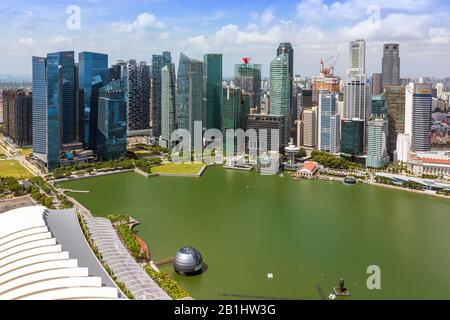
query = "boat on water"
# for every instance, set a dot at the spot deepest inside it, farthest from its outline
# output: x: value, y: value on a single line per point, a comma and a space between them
x: 349, y: 180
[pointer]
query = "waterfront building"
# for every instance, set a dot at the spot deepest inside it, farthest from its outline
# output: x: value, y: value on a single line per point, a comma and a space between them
x: 310, y: 127
x: 391, y: 65
x: 378, y: 107
x: 247, y: 76
x: 377, y: 84
x: 280, y: 92
x: 54, y: 106
x: 308, y: 170
x: 39, y: 108
x: 212, y: 90
x: 17, y: 116
x: 158, y: 63
x: 138, y: 102
x: 112, y: 121
x: 168, y: 103
x: 231, y: 109
x: 435, y: 163
x: 395, y: 104
x: 418, y: 115
x: 329, y: 123
x: 89, y: 65
x: 189, y: 93
x: 352, y: 133
x: 377, y: 154
x: 274, y: 126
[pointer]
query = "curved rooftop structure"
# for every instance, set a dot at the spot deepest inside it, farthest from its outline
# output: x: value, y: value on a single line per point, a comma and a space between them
x: 40, y: 259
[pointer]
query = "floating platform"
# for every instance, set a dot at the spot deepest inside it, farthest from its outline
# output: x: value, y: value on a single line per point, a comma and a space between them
x: 341, y: 293
x: 239, y: 167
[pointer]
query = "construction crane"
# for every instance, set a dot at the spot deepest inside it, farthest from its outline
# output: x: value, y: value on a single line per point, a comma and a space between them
x: 328, y: 71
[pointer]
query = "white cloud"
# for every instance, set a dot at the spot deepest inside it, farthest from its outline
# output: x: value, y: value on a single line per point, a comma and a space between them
x: 164, y: 35
x: 143, y: 21
x: 198, y: 44
x: 27, y: 41
x: 267, y: 16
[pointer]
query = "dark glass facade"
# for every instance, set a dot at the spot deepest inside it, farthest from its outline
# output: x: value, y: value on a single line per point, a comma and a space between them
x: 352, y: 136
x: 379, y: 106
x: 158, y: 63
x: 89, y: 65
x: 39, y: 109
x: 212, y: 90
x: 112, y: 121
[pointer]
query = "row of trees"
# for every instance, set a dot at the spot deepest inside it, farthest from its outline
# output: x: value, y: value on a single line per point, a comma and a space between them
x: 331, y: 161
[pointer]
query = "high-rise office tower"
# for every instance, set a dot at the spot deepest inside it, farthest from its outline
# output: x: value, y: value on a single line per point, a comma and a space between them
x: 231, y: 112
x: 39, y: 110
x: 212, y: 86
x: 280, y: 92
x: 89, y: 65
x: 304, y: 101
x: 189, y: 93
x: 158, y: 63
x: 231, y: 109
x: 377, y: 146
x: 247, y: 76
x: 61, y: 92
x: 138, y: 105
x: 378, y: 105
x: 17, y: 116
x: 329, y: 123
x: 391, y: 65
x: 54, y: 106
x: 274, y: 126
x: 357, y: 55
x: 287, y: 48
x: 356, y: 98
x: 395, y: 103
x: 112, y: 121
x: 352, y: 136
x: 310, y: 127
x: 168, y: 105
x: 377, y: 85
x: 418, y: 115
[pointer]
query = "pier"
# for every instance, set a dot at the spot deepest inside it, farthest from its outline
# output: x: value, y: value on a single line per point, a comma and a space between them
x: 164, y: 261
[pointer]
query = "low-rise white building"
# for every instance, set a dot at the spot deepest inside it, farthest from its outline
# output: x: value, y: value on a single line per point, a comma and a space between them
x: 432, y: 163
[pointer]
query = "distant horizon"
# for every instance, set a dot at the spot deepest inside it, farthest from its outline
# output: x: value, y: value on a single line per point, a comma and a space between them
x: 316, y: 28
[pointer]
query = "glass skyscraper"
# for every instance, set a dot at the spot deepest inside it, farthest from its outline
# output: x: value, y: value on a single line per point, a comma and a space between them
x: 158, y: 63
x: 377, y: 143
x: 280, y: 92
x: 352, y: 134
x: 112, y: 121
x: 379, y: 105
x: 39, y: 107
x: 212, y: 90
x: 189, y: 93
x: 391, y: 65
x: 247, y: 76
x: 168, y: 105
x: 89, y: 65
x: 329, y: 123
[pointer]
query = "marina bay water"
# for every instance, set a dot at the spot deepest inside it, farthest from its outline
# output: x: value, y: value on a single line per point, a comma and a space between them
x: 308, y: 234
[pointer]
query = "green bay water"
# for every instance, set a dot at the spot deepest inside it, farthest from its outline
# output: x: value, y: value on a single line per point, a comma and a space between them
x: 307, y: 233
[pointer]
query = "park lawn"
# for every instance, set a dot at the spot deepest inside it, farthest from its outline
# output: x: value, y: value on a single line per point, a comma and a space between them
x: 178, y: 168
x: 12, y: 168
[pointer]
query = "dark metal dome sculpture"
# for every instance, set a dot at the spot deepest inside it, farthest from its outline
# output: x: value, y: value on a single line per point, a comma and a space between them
x: 188, y: 261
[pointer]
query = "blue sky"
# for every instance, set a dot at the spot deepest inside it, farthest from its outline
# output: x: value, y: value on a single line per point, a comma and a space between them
x: 316, y: 28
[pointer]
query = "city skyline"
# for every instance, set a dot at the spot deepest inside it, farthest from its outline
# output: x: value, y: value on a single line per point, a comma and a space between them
x: 316, y: 28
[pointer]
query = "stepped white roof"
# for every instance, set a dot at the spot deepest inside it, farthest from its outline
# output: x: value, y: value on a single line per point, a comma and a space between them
x: 34, y: 265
